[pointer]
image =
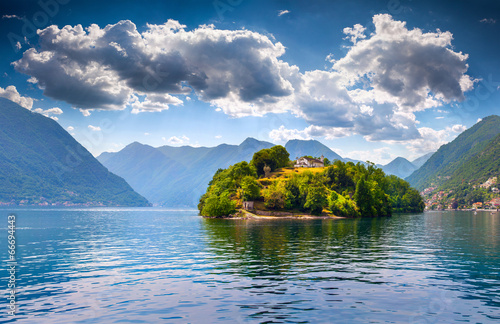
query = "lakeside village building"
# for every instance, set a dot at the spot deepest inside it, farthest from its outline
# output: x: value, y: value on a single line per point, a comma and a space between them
x: 305, y: 162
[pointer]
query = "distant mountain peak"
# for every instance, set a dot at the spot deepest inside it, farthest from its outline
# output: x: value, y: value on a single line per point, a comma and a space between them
x: 249, y: 140
x: 252, y: 143
x: 400, y: 159
x: 400, y: 167
x: 302, y: 141
x: 299, y: 148
x: 136, y: 144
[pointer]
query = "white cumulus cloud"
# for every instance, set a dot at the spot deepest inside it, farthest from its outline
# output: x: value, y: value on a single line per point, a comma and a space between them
x: 182, y: 140
x: 431, y: 139
x: 94, y: 128
x: 355, y: 33
x: 488, y: 21
x: 49, y: 112
x: 373, y: 91
x: 282, y: 134
x: 85, y: 112
x: 103, y: 68
x: 155, y: 103
x: 12, y: 17
x: 12, y: 94
x: 407, y: 65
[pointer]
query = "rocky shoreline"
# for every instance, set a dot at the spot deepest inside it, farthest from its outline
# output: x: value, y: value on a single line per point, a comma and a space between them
x: 259, y: 214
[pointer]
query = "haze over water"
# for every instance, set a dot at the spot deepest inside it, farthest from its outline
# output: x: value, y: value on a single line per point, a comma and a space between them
x: 159, y: 266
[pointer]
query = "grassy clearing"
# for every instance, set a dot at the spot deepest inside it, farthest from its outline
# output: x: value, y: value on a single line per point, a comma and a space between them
x: 288, y: 171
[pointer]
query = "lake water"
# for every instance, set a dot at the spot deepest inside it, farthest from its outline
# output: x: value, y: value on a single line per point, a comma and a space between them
x: 159, y: 266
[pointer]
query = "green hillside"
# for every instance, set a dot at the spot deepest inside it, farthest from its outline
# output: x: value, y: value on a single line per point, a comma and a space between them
x: 478, y: 169
x: 452, y: 156
x: 41, y: 163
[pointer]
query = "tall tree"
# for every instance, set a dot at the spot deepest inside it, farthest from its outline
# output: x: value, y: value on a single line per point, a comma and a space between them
x: 280, y: 156
x: 250, y: 188
x: 275, y: 195
x: 261, y: 159
x: 240, y: 170
x: 316, y: 199
x: 363, y: 198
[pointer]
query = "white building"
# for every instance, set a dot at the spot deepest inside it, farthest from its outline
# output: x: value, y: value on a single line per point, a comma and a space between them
x: 305, y: 162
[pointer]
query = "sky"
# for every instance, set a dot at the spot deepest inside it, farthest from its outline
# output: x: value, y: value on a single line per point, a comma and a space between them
x: 372, y: 80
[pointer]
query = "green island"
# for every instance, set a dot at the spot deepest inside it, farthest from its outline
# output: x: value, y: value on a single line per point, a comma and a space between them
x: 272, y: 185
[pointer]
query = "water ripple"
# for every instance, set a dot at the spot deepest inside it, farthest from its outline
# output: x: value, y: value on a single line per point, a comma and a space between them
x: 152, y: 265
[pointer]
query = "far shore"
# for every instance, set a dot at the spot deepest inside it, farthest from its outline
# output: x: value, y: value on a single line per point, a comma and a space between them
x: 465, y: 209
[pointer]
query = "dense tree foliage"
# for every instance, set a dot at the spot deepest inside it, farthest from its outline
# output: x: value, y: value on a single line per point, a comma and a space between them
x: 316, y: 199
x: 275, y: 195
x: 218, y: 205
x: 344, y: 189
x: 342, y: 206
x: 280, y: 156
x: 274, y: 157
x: 240, y: 170
x: 340, y: 177
x: 250, y: 188
x: 404, y: 198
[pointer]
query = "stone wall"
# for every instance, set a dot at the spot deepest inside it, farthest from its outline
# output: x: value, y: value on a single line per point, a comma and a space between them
x: 272, y: 213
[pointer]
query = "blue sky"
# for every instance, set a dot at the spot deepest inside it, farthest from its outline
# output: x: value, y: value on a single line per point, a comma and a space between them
x: 372, y: 80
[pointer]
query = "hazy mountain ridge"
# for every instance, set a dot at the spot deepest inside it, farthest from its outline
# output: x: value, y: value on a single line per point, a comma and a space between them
x: 299, y: 148
x: 400, y: 167
x: 418, y: 162
x: 176, y: 176
x: 40, y: 163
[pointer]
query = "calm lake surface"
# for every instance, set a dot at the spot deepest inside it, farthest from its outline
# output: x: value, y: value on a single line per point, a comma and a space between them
x: 159, y: 266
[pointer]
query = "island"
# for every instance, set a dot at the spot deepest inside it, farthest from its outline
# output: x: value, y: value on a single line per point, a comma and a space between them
x: 272, y: 185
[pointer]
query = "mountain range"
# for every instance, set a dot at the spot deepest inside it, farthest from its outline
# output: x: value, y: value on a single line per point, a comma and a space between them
x: 299, y: 148
x: 40, y: 163
x: 178, y: 176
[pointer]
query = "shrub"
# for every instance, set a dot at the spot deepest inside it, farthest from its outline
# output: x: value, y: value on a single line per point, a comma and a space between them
x: 218, y: 206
